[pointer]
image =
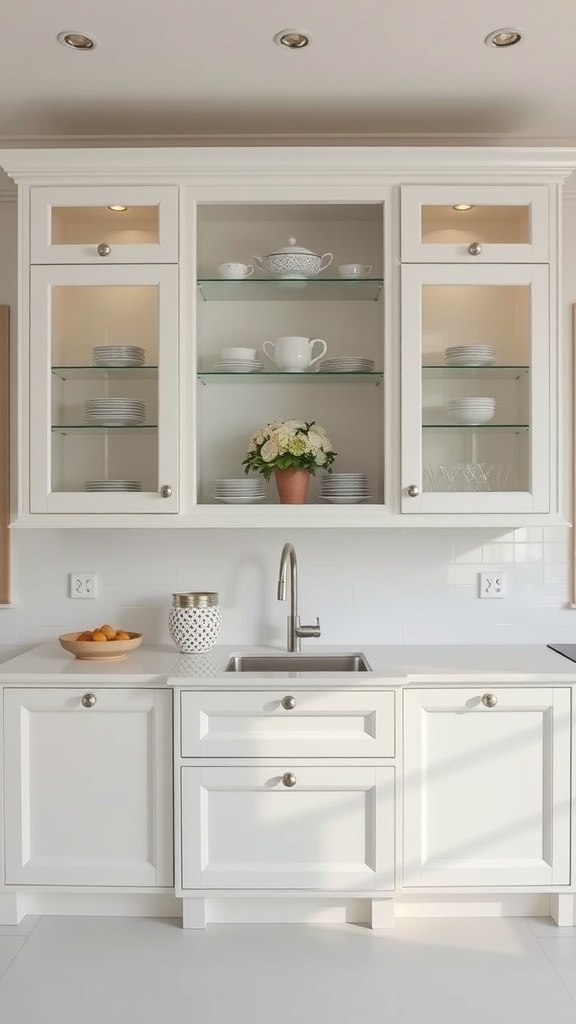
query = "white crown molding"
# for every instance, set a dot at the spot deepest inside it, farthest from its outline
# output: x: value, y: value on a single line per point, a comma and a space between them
x: 213, y: 166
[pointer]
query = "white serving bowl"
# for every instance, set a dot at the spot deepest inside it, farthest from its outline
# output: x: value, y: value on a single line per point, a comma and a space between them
x: 293, y: 261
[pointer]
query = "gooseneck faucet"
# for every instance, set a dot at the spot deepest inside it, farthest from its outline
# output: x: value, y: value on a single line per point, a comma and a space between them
x: 295, y: 630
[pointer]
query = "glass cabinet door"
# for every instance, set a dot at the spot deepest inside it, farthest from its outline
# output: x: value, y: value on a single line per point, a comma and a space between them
x: 104, y: 225
x: 475, y: 389
x: 475, y: 224
x: 103, y: 389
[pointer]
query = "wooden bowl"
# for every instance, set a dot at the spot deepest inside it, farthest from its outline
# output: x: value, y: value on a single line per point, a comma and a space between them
x: 91, y: 650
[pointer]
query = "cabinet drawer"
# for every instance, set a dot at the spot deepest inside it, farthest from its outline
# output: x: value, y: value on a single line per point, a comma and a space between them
x: 270, y: 828
x: 287, y: 723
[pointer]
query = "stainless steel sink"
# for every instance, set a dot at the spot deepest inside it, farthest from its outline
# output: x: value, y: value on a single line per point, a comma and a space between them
x: 354, y: 662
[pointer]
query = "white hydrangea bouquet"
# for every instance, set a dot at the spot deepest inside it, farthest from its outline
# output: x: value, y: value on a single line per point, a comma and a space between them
x: 289, y: 444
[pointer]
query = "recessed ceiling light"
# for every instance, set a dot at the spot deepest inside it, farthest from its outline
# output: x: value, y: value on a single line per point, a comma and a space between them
x: 462, y: 207
x: 76, y: 41
x: 503, y: 37
x: 118, y: 209
x: 292, y: 39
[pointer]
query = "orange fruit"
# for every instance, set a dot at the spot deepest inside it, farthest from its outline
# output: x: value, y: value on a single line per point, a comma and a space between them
x: 121, y: 634
x: 109, y: 632
x: 86, y: 635
x: 99, y: 636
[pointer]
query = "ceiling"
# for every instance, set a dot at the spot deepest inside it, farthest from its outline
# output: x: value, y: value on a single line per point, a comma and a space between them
x: 403, y: 70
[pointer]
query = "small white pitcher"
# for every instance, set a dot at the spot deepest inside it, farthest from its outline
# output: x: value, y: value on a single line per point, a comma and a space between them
x: 293, y: 354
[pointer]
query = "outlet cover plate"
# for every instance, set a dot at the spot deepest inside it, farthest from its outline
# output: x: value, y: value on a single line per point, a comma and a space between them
x: 83, y: 585
x: 492, y: 585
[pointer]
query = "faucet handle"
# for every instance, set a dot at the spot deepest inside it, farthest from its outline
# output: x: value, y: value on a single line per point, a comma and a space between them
x: 308, y: 630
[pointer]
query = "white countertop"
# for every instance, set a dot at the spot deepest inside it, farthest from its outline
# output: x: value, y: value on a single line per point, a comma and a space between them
x: 394, y: 666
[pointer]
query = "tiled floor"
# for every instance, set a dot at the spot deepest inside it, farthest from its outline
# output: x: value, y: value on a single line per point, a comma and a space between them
x: 94, y: 970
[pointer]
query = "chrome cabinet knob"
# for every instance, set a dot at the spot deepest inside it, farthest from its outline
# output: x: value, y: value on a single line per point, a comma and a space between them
x: 288, y: 779
x: 166, y: 491
x: 103, y: 249
x: 89, y: 700
x: 412, y: 491
x: 288, y: 703
x: 489, y: 700
x: 475, y: 248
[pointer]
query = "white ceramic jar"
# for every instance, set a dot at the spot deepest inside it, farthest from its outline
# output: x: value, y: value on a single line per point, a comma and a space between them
x: 194, y: 621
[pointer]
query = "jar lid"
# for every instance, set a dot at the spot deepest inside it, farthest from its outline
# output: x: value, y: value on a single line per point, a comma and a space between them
x: 195, y: 599
x: 292, y: 247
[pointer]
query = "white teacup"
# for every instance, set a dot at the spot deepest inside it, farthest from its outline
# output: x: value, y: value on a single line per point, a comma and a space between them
x: 354, y: 269
x: 294, y: 354
x: 238, y: 353
x: 234, y: 271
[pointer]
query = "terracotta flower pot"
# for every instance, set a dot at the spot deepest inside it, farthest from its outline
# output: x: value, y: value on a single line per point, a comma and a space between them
x: 292, y: 485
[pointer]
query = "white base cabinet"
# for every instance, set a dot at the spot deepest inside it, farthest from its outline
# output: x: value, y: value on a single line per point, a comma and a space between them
x: 325, y: 828
x: 88, y: 790
x: 487, y: 787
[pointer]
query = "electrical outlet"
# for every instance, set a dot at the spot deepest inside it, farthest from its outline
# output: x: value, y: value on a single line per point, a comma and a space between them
x: 82, y: 585
x: 492, y: 584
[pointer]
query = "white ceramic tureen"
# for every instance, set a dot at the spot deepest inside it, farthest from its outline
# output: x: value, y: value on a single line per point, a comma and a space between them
x: 293, y: 261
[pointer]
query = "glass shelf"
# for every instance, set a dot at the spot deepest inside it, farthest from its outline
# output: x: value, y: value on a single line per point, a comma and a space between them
x: 218, y: 377
x: 105, y: 372
x: 496, y: 372
x: 504, y: 428
x: 319, y: 289
x: 89, y: 428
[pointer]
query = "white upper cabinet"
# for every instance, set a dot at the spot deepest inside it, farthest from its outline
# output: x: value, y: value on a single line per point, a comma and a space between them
x: 406, y: 253
x: 116, y: 224
x: 475, y: 224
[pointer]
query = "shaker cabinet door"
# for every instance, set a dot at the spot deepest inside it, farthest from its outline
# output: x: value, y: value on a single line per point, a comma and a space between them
x: 103, y: 421
x: 87, y: 789
x: 487, y: 787
x: 477, y: 394
x: 277, y: 828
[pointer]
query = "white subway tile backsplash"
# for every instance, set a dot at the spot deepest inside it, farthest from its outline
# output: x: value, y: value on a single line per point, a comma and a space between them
x: 374, y: 586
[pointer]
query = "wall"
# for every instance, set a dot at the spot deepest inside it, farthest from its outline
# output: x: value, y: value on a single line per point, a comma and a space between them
x: 393, y: 586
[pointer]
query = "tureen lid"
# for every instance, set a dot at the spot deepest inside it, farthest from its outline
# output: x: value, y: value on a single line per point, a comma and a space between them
x: 292, y: 247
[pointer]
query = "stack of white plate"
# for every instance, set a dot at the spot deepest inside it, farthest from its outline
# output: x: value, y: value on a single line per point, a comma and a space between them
x: 346, y: 364
x: 471, y: 411
x: 113, y: 485
x: 239, y: 365
x: 118, y: 355
x: 239, y: 492
x: 345, y: 488
x: 470, y: 355
x: 114, y: 412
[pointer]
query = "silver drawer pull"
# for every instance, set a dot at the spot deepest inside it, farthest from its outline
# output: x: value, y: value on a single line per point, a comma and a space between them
x: 289, y: 703
x: 89, y: 700
x: 489, y: 700
x: 103, y: 249
x: 288, y: 779
x: 475, y: 248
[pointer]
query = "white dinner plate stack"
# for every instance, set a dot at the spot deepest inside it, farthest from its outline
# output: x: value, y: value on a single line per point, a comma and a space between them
x: 118, y: 355
x: 239, y: 492
x: 114, y: 412
x: 345, y: 488
x: 346, y: 364
x: 471, y: 411
x: 470, y: 355
x: 111, y: 486
x: 239, y: 365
